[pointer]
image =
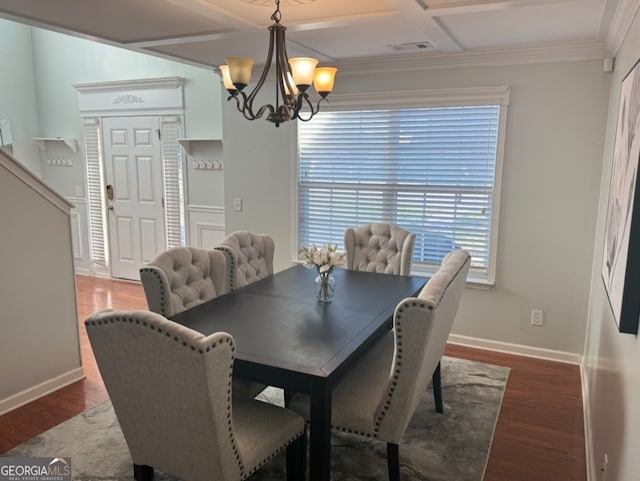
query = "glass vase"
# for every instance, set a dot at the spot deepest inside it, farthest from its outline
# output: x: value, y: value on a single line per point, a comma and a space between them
x: 325, y: 286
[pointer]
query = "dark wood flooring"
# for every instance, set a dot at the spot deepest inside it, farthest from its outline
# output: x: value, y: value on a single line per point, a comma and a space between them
x: 539, y: 434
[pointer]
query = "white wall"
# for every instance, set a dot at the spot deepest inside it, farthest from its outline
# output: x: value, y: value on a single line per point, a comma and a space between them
x: 17, y: 99
x: 611, y: 368
x: 62, y: 61
x: 551, y: 181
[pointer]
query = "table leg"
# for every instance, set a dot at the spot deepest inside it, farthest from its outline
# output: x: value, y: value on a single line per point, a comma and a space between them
x: 320, y: 433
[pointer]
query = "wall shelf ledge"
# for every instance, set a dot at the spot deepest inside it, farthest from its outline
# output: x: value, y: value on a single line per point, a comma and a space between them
x: 187, y: 142
x: 42, y: 142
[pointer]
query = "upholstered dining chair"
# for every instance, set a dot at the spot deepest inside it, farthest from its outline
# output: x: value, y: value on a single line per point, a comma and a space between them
x: 249, y: 258
x: 380, y: 394
x: 183, y: 277
x: 379, y: 247
x: 171, y: 391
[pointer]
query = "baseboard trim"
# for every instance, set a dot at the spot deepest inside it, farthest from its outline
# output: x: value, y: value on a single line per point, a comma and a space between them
x: 31, y: 394
x: 517, y: 349
x: 592, y: 469
x: 83, y: 271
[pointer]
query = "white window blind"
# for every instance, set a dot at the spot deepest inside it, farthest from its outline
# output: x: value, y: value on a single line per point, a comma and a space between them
x: 428, y: 170
x: 173, y: 182
x: 95, y: 188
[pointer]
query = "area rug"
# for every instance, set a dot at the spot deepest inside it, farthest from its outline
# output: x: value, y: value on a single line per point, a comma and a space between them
x: 453, y: 446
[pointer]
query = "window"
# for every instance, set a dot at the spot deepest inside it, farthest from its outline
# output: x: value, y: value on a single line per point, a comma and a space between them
x: 431, y: 170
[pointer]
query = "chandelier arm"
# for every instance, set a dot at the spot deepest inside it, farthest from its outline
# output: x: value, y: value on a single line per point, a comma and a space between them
x: 248, y: 105
x: 284, y: 80
x: 260, y: 112
x: 236, y: 96
x: 312, y: 112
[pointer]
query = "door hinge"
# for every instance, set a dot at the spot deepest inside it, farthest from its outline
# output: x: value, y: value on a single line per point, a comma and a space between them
x: 159, y: 134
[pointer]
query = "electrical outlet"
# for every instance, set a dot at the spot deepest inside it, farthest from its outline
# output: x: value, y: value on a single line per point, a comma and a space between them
x: 237, y: 205
x: 537, y: 317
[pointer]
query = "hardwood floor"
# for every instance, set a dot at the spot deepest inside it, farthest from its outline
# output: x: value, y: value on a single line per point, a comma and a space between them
x: 539, y: 434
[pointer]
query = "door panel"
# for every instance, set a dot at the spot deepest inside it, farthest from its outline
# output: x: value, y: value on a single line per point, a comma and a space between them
x: 136, y: 216
x: 146, y: 177
x: 121, y: 178
x: 148, y: 241
x: 124, y: 234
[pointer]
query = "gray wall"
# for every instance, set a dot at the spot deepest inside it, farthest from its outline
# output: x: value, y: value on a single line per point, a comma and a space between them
x: 611, y: 363
x: 39, y: 340
x: 550, y: 187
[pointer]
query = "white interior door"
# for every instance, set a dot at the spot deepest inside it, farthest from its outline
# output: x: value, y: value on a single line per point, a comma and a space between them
x: 133, y: 169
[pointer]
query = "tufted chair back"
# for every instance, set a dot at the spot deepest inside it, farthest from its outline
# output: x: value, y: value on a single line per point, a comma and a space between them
x: 171, y: 391
x: 384, y: 248
x: 183, y: 277
x: 249, y: 258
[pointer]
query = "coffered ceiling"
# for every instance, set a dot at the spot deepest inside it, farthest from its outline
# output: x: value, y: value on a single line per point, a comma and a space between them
x: 204, y: 32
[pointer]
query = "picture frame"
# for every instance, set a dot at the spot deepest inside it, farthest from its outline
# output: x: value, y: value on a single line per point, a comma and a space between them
x: 621, y: 255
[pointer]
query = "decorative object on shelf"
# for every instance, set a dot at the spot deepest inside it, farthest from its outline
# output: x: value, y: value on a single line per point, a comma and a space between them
x: 621, y: 257
x: 324, y: 259
x: 208, y: 165
x: 59, y: 161
x: 293, y: 78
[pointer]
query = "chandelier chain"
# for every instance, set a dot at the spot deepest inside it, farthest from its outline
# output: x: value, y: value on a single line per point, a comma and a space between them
x: 276, y: 16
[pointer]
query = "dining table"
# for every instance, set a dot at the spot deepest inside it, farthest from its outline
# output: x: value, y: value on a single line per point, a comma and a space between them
x: 285, y: 337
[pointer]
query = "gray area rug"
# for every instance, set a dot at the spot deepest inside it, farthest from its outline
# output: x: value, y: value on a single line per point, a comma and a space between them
x: 453, y: 446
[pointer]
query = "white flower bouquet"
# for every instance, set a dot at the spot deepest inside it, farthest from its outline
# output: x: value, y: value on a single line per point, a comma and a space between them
x: 324, y: 258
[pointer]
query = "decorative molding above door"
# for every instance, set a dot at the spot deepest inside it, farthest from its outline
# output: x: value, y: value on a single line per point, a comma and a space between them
x: 131, y: 97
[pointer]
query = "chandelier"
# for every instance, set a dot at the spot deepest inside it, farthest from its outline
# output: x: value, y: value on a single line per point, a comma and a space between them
x: 293, y: 79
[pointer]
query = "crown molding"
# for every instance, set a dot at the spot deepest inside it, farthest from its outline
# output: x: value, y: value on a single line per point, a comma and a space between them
x: 622, y: 19
x: 135, y: 84
x: 430, y: 97
x: 519, y: 55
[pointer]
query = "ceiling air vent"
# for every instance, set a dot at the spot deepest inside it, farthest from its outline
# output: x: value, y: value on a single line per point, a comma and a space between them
x: 414, y: 46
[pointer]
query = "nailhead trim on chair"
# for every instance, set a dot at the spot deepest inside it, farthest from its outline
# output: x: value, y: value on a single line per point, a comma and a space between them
x: 229, y: 341
x: 163, y: 306
x: 231, y: 266
x: 232, y: 272
x: 398, y: 328
x: 396, y: 374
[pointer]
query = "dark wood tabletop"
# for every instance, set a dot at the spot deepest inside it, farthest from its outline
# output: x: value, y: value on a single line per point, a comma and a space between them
x: 285, y: 338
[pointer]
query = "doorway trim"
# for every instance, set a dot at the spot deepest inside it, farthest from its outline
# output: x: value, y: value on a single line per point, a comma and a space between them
x: 162, y: 97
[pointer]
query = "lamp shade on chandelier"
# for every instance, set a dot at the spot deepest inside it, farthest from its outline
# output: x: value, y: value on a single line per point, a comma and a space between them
x: 293, y: 77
